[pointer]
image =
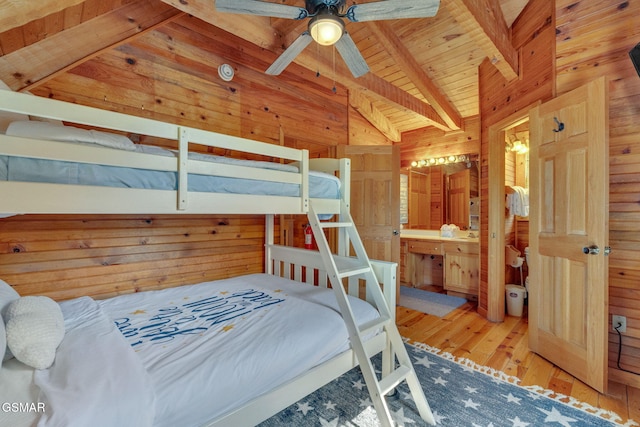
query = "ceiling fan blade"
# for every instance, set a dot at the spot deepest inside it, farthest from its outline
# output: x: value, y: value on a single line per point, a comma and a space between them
x: 261, y: 8
x: 290, y: 54
x: 352, y: 56
x: 393, y: 9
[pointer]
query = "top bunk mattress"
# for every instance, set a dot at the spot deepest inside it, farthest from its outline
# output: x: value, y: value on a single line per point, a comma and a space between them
x: 42, y: 170
x: 25, y: 169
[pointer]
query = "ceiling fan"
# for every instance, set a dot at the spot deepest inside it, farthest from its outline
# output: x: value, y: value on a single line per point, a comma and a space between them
x: 326, y: 25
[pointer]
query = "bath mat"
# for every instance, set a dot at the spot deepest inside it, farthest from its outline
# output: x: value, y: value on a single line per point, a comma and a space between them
x: 429, y: 302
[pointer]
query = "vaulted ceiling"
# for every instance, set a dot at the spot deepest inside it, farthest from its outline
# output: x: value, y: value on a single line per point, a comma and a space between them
x: 424, y: 72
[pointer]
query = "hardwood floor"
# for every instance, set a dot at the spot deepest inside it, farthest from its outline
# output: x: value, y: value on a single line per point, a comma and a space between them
x: 504, y: 346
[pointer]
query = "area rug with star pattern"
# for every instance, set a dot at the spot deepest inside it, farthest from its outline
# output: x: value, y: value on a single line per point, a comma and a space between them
x: 460, y: 393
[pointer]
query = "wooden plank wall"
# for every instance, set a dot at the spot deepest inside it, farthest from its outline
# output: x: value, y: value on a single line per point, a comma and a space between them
x: 593, y: 40
x: 431, y: 142
x: 164, y: 76
x: 64, y: 256
x: 573, y: 43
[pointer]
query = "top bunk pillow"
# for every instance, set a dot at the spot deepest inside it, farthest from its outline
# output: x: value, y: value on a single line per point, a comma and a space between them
x: 53, y: 132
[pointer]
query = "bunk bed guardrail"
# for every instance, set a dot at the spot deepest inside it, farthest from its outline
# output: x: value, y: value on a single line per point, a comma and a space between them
x: 58, y: 198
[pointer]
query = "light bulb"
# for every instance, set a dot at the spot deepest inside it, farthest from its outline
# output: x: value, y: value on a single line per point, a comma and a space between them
x: 326, y: 29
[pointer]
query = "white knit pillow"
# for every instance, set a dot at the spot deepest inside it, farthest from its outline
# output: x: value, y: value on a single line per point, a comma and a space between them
x: 35, y: 328
x: 7, y: 295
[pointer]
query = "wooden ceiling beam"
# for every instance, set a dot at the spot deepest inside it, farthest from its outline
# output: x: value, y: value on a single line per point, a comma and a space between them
x: 80, y: 43
x: 381, y: 90
x: 15, y: 13
x: 401, y: 56
x: 484, y: 22
x: 362, y: 105
x: 255, y: 29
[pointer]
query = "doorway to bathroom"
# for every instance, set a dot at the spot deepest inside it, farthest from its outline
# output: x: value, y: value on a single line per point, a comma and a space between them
x: 509, y: 172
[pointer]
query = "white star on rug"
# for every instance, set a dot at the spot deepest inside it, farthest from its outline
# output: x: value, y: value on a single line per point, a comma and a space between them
x: 555, y: 416
x: 332, y: 423
x: 330, y: 406
x: 512, y: 399
x: 470, y: 404
x: 365, y: 403
x: 424, y: 361
x: 470, y: 389
x: 518, y: 423
x: 440, y: 381
x: 358, y: 384
x: 478, y: 425
x: 400, y: 419
x: 438, y: 418
x: 304, y: 408
x: 445, y: 370
x: 534, y: 396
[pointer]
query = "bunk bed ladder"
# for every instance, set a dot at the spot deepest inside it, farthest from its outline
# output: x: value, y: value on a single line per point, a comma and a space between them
x: 341, y: 266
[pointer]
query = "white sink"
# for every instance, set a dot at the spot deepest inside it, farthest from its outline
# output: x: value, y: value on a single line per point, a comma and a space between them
x: 435, y: 235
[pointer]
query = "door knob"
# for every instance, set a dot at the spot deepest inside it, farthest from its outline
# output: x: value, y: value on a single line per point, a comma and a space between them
x: 396, y: 233
x: 591, y: 250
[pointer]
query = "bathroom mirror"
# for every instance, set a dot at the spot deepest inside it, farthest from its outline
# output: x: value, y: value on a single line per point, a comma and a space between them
x: 443, y: 194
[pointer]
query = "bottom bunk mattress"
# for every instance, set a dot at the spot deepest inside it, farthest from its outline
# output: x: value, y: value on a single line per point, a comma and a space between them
x: 187, y: 355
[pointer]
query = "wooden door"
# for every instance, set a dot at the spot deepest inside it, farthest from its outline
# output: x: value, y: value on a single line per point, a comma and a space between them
x: 375, y: 198
x: 459, y: 188
x: 569, y: 209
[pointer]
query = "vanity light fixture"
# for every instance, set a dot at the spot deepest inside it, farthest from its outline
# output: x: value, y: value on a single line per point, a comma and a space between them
x: 444, y: 160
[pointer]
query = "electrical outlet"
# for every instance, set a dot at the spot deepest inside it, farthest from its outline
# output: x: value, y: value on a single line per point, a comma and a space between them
x: 619, y: 320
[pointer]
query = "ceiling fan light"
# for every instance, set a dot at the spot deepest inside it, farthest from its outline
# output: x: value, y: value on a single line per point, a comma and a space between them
x: 326, y: 29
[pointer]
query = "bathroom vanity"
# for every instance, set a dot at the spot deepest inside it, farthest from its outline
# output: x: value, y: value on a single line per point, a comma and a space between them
x: 450, y: 262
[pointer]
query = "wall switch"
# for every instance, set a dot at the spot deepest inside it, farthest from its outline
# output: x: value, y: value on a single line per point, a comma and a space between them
x: 619, y: 320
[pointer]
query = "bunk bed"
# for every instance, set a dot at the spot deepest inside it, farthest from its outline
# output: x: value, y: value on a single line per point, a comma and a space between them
x: 291, y: 181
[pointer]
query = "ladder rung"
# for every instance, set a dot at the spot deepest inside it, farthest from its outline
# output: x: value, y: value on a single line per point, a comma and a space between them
x: 373, y: 325
x: 390, y: 382
x: 350, y: 266
x: 349, y: 272
x: 336, y: 224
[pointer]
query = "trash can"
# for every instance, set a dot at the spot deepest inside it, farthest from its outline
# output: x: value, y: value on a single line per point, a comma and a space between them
x: 515, y: 299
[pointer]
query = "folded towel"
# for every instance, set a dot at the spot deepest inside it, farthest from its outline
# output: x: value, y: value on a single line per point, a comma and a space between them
x: 518, y: 201
x: 449, y: 230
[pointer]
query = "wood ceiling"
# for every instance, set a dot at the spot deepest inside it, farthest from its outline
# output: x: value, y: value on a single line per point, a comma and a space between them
x: 424, y: 72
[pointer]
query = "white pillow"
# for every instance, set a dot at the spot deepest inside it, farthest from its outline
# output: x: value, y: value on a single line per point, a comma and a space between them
x: 7, y: 295
x: 35, y: 328
x: 48, y: 131
x: 5, y: 117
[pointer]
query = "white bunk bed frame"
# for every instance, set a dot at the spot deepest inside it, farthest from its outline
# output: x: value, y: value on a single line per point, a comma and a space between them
x: 66, y: 198
x: 298, y: 264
